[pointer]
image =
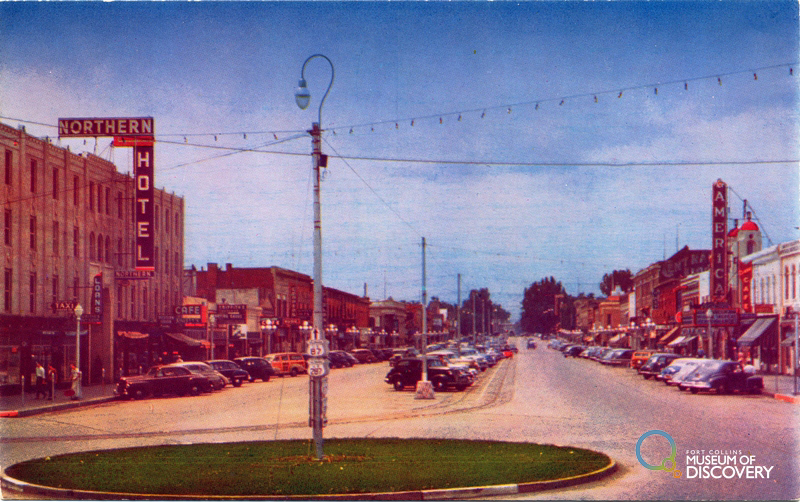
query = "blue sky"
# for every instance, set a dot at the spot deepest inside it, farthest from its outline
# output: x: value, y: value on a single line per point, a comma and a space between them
x: 524, y: 176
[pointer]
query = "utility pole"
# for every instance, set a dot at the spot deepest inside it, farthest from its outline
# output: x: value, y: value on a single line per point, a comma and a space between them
x: 424, y: 387
x: 458, y: 318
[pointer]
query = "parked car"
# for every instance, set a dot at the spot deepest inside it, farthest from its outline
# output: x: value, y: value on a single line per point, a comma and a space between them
x: 681, y: 368
x: 339, y: 359
x: 408, y: 371
x: 217, y: 379
x: 400, y: 353
x: 617, y: 357
x: 288, y: 363
x: 364, y: 356
x: 574, y: 350
x: 640, y: 357
x: 232, y: 371
x: 256, y: 367
x: 531, y: 344
x: 161, y: 380
x: 656, y: 363
x: 721, y: 377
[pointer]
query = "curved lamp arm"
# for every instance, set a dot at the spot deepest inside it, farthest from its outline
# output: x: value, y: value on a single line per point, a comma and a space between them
x: 303, y: 96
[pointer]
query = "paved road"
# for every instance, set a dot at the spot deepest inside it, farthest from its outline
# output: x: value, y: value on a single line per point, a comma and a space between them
x: 538, y: 396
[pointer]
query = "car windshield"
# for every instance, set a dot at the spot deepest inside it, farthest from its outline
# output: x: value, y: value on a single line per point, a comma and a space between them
x: 435, y: 363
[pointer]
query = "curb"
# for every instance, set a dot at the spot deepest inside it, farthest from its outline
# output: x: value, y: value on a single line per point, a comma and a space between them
x: 21, y: 488
x: 787, y: 398
x: 55, y: 407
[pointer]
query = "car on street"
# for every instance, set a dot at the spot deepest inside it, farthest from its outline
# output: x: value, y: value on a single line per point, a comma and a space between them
x: 256, y: 367
x: 679, y: 369
x: 288, y: 363
x: 722, y: 377
x: 217, y: 379
x: 364, y: 356
x: 617, y: 357
x: 656, y: 363
x: 232, y: 371
x: 408, y: 371
x: 640, y: 357
x: 531, y: 343
x: 161, y: 380
x: 339, y: 359
x: 400, y: 353
x: 574, y: 350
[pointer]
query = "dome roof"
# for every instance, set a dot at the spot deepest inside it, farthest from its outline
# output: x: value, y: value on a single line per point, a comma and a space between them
x: 749, y: 226
x: 733, y: 233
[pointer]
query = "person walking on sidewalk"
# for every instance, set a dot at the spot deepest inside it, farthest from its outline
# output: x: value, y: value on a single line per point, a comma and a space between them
x: 40, y: 378
x: 51, y: 380
x: 76, y: 382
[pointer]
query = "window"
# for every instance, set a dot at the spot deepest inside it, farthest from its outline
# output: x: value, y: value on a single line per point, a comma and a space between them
x: 9, y: 157
x: 55, y: 288
x: 7, y: 290
x: 177, y: 224
x: 56, y: 238
x: 108, y: 249
x: 75, y: 288
x: 119, y: 252
x: 55, y: 183
x: 166, y: 220
x: 7, y: 229
x: 33, y: 175
x: 119, y: 301
x: 156, y: 216
x: 794, y: 282
x: 155, y: 259
x: 91, y: 246
x: 100, y: 247
x: 75, y: 191
x: 786, y: 282
x: 91, y: 196
x: 108, y: 199
x: 75, y: 242
x: 99, y: 199
x: 33, y: 233
x: 32, y: 291
x: 178, y: 264
x: 119, y: 205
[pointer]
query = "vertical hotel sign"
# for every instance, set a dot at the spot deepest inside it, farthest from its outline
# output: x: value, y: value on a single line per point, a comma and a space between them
x: 719, y: 241
x: 138, y: 133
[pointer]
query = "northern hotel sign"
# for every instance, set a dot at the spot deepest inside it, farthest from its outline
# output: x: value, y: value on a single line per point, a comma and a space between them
x: 125, y: 129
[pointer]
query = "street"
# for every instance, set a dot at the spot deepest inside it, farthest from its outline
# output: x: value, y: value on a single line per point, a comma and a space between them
x: 538, y: 396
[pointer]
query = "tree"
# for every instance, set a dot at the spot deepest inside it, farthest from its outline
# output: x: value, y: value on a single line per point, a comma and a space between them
x: 539, y: 306
x: 621, y: 278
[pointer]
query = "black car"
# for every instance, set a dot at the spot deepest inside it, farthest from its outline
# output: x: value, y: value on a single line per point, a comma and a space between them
x: 574, y: 350
x: 160, y: 380
x: 231, y: 370
x: 655, y: 364
x: 723, y: 377
x: 256, y: 367
x: 408, y: 371
x: 339, y: 359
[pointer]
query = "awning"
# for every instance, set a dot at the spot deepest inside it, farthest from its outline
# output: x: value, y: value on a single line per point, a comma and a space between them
x: 191, y: 342
x: 133, y: 335
x: 615, y: 339
x: 677, y: 341
x: 754, y: 332
x: 670, y: 335
x: 788, y: 342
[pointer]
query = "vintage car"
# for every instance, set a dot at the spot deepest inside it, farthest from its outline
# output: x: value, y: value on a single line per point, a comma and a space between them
x: 656, y: 363
x: 256, y: 367
x: 722, y: 377
x: 407, y: 372
x: 231, y: 370
x: 288, y: 363
x: 217, y: 379
x: 161, y: 380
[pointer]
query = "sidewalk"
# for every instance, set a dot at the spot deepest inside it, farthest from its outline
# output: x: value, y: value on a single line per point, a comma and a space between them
x: 17, y: 406
x: 781, y: 387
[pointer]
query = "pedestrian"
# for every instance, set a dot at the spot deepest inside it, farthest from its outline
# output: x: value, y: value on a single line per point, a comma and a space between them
x: 701, y: 354
x: 76, y: 382
x: 51, y: 380
x: 40, y: 378
x: 750, y: 368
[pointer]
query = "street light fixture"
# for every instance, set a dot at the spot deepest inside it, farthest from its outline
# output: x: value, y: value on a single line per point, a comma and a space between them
x: 78, y: 313
x: 303, y: 99
x: 709, y: 315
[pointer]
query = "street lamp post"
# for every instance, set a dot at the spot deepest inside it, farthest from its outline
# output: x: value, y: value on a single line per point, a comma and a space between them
x: 317, y: 382
x: 709, y: 314
x: 78, y: 313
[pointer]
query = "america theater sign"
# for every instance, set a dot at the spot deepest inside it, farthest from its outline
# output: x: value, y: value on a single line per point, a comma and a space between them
x: 719, y: 241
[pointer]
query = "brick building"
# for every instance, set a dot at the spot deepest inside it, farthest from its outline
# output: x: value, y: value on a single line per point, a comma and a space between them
x: 68, y: 231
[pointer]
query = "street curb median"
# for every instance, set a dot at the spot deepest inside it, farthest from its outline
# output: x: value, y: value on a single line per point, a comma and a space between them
x: 22, y: 488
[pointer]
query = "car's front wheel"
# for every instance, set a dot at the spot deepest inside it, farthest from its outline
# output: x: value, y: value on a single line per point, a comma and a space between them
x: 398, y: 385
x: 294, y: 371
x: 194, y: 389
x: 237, y: 382
x: 265, y: 378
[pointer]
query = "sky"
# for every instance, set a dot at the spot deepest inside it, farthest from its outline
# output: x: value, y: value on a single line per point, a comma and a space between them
x: 521, y: 140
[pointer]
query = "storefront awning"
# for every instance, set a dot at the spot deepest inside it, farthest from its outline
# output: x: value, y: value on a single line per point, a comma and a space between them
x: 788, y: 342
x: 191, y: 342
x: 670, y: 335
x: 754, y: 332
x: 615, y: 338
x: 677, y: 341
x: 133, y: 335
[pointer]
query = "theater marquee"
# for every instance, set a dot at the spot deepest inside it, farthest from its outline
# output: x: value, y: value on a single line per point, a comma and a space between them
x: 719, y: 241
